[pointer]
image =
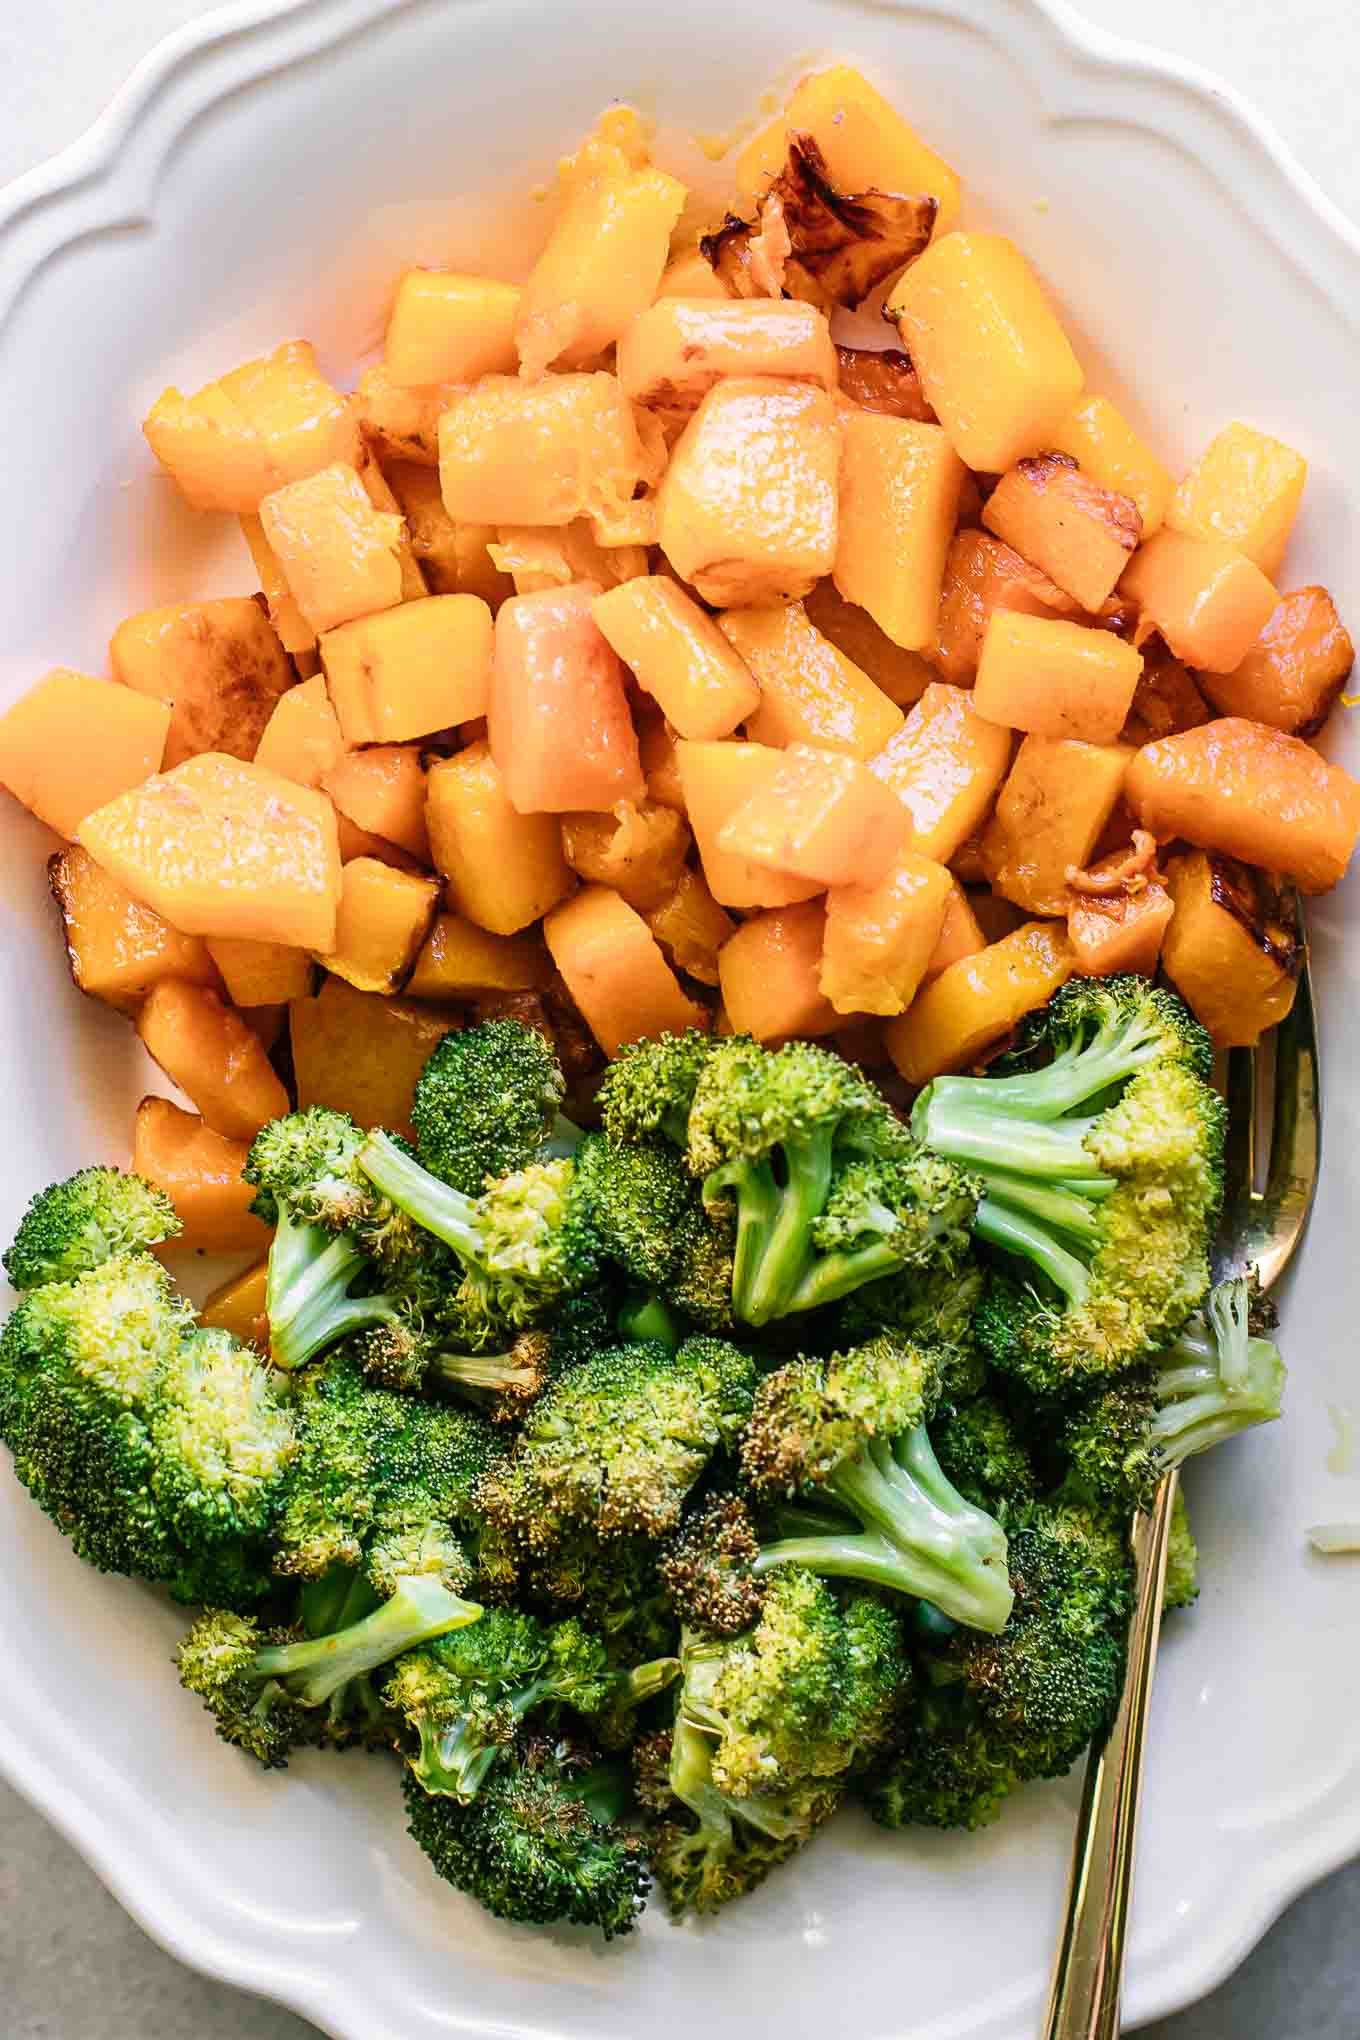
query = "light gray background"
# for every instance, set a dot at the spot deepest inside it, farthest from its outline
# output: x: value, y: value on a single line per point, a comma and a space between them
x: 72, y: 1965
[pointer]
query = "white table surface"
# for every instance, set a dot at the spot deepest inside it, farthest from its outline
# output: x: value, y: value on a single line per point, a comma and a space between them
x: 72, y: 1966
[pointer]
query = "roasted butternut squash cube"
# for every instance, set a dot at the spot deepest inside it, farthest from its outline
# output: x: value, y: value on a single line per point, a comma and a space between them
x: 1054, y: 678
x: 402, y: 423
x: 219, y: 665
x: 692, y: 275
x: 267, y: 423
x: 410, y: 671
x: 976, y: 1002
x: 382, y: 790
x: 200, y: 1172
x: 673, y: 353
x: 982, y: 575
x: 302, y: 740
x: 504, y: 869
x: 460, y: 961
x: 656, y: 747
x: 1207, y: 599
x: 117, y: 948
x: 810, y: 692
x: 361, y: 1053
x: 262, y: 973
x: 691, y: 927
x: 864, y: 142
x: 770, y: 975
x: 883, y: 379
x: 357, y: 842
x: 454, y: 558
x: 1294, y: 672
x: 1049, y: 817
x: 900, y: 674
x: 1119, y: 931
x: 558, y: 722
x: 338, y: 553
x: 638, y: 848
x: 1246, y: 488
x: 746, y: 511
x: 1110, y: 453
x: 1250, y: 792
x: 380, y: 930
x: 960, y: 934
x: 291, y: 627
x: 899, y: 497
x: 72, y: 744
x: 1166, y: 699
x: 216, y: 1060
x: 820, y: 816
x: 219, y: 847
x: 612, y: 965
x: 537, y: 558
x: 512, y: 452
x: 607, y: 250
x: 240, y: 1307
x: 945, y: 765
x: 881, y: 938
x: 993, y: 360
x: 1234, y: 949
x: 1079, y: 534
x: 717, y: 780
x: 446, y: 328
x: 678, y: 654
x: 378, y: 489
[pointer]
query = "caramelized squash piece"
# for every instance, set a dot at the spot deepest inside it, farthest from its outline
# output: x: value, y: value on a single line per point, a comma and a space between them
x: 302, y: 740
x: 746, y: 511
x: 262, y: 973
x: 357, y: 842
x: 899, y: 497
x: 267, y: 423
x: 454, y: 558
x: 239, y: 1307
x: 1208, y: 600
x: 1110, y: 453
x: 1122, y: 929
x: 291, y: 627
x: 1246, y: 488
x: 1049, y: 818
x: 218, y: 847
x: 900, y: 674
x: 558, y: 721
x: 678, y: 654
x: 657, y: 740
x: 945, y: 765
x: 1076, y: 532
x: 446, y: 328
x: 200, y: 1172
x: 1250, y: 792
x: 72, y: 744
x: 1055, y: 679
x: 504, y: 869
x: 1166, y: 699
x: 717, y: 780
x: 977, y: 1001
x: 673, y: 353
x: 982, y: 575
x: 381, y: 926
x: 361, y: 1053
x: 213, y: 1056
x: 338, y: 554
x: 410, y: 671
x: 536, y: 558
x: 1235, y: 949
x: 819, y: 816
x: 541, y: 453
x: 810, y: 692
x: 1294, y: 672
x: 960, y: 934
x: 692, y: 275
x: 219, y: 665
x: 117, y: 948
x: 401, y: 423
x: 770, y: 975
x: 382, y: 790
x: 461, y: 961
x: 613, y: 967
x: 691, y: 927
x: 883, y: 380
x: 639, y: 849
x: 881, y: 939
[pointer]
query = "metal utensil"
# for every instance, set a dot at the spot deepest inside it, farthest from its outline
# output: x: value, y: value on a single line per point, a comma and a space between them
x: 1263, y: 1222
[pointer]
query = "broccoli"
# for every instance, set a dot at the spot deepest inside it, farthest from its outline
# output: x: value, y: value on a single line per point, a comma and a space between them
x: 500, y: 1384
x: 485, y: 1103
x: 933, y: 1307
x: 650, y: 1219
x: 1102, y: 1179
x: 73, y: 1227
x: 1182, y: 1559
x: 647, y: 1091
x: 544, y: 1840
x: 161, y: 1450
x: 982, y: 1450
x: 951, y: 1768
x: 708, y: 1567
x: 611, y: 1583
x: 616, y: 1444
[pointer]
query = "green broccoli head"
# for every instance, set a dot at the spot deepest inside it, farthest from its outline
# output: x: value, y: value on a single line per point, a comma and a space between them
x: 307, y: 1163
x: 811, y: 1414
x: 611, y: 1583
x: 648, y: 1089
x: 950, y: 1768
x: 707, y: 1567
x: 485, y: 1103
x: 1182, y: 1559
x: 982, y: 1449
x: 933, y: 1307
x: 97, y: 1215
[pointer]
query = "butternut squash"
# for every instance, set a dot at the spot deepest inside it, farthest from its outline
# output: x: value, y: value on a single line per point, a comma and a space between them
x: 411, y: 671
x: 338, y: 554
x: 975, y: 1002
x: 118, y: 949
x: 1246, y: 488
x: 746, y: 511
x: 945, y: 765
x: 454, y: 558
x: 900, y: 674
x: 302, y: 740
x: 540, y: 453
x: 1122, y: 930
x: 537, y: 558
x: 1055, y: 679
x: 1294, y: 672
x: 691, y: 275
x: 1166, y: 699
x: 982, y: 575
x: 291, y: 627
x: 1049, y: 817
x: 691, y: 927
x: 213, y: 1056
x: 1110, y: 453
x: 673, y: 353
x: 267, y: 423
x: 200, y: 1172
x: 819, y: 816
x: 993, y: 360
x: 678, y: 654
x: 960, y: 934
x: 810, y: 692
x: 881, y: 938
x: 72, y: 744
x: 262, y: 973
x: 1235, y: 949
x: 1079, y: 534
x: 1207, y: 599
x: 770, y: 975
x: 899, y: 496
x: 718, y: 779
x: 401, y: 423
x: 381, y: 927
x: 504, y: 869
x: 361, y: 1053
x: 382, y: 790
x: 446, y: 328
x: 883, y: 379
x: 613, y: 967
x: 639, y: 849
x: 1253, y: 793
x: 218, y: 847
x: 558, y: 720
x: 239, y: 1307
x: 656, y: 748
x: 219, y: 665
x: 460, y: 961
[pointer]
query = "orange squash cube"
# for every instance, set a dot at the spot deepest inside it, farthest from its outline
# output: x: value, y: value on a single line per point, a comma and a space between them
x: 1049, y: 817
x: 819, y: 816
x: 1110, y: 453
x: 504, y: 869
x: 410, y: 671
x: 656, y: 747
x: 1207, y: 599
x: 899, y: 498
x: 1294, y: 672
x: 361, y: 1052
x: 262, y: 973
x: 993, y: 360
x: 117, y: 948
x: 945, y: 765
x: 72, y: 744
x: 691, y: 927
x: 977, y: 1001
x: 219, y: 665
x: 1165, y: 700
x: 445, y: 328
x: 382, y: 790
x: 461, y: 961
x: 216, y: 1060
x: 267, y: 423
x: 302, y: 739
x: 1055, y: 679
x: 692, y: 275
x: 239, y: 1307
x: 1120, y: 931
x: 1246, y: 488
x: 540, y: 453
x: 810, y: 692
x: 558, y: 722
x: 454, y: 558
x: 219, y: 847
x: 770, y: 975
x: 673, y: 353
x: 677, y: 652
x: 960, y: 934
x: 613, y: 967
x: 1234, y: 949
x: 900, y: 674
x: 717, y: 780
x: 639, y: 849
x: 746, y: 511
x: 378, y: 490
x: 381, y: 926
x: 291, y: 627
x: 338, y: 553
x: 1080, y: 535
x: 536, y: 558
x: 982, y: 575
x: 200, y: 1172
x: 881, y: 938
x: 401, y: 423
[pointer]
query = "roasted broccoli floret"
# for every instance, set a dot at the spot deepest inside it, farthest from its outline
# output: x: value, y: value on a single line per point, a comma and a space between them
x: 75, y: 1226
x: 984, y: 1452
x: 708, y: 1567
x: 647, y: 1091
x: 485, y: 1103
x: 932, y: 1307
x: 650, y: 1218
x: 1102, y: 1179
x: 612, y: 1584
x: 545, y: 1839
x: 1182, y: 1559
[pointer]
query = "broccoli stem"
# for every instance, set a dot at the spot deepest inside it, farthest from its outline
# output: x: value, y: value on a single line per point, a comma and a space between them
x: 307, y: 1293
x: 1215, y: 1380
x: 1016, y: 1234
x: 647, y: 1317
x: 967, y: 1129
x: 482, y: 1375
x: 1075, y: 1075
x: 832, y: 1276
x: 440, y: 1210
x: 313, y: 1670
x: 788, y: 1249
x: 756, y: 1193
x: 1070, y: 1209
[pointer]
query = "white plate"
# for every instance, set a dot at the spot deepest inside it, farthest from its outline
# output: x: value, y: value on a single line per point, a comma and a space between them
x: 263, y: 176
